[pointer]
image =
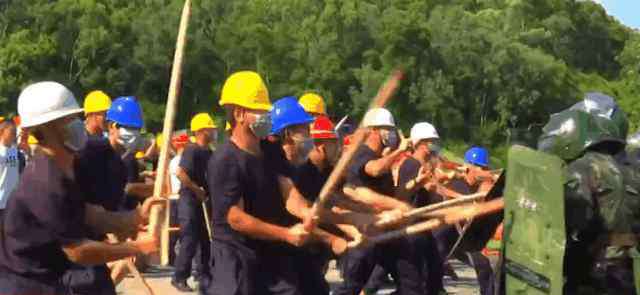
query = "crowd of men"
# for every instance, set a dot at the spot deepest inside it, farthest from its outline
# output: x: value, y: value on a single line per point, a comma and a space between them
x: 245, y: 208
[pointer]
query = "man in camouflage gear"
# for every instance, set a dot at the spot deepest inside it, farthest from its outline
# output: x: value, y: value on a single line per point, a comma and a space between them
x: 602, y: 199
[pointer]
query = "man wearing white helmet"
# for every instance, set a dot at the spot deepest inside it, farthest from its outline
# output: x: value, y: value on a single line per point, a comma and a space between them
x: 47, y: 221
x: 425, y: 140
x: 371, y: 170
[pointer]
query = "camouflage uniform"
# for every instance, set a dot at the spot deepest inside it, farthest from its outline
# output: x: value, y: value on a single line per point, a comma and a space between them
x: 602, y: 200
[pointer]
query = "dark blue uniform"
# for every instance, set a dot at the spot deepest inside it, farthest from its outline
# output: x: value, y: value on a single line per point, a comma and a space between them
x: 132, y: 171
x: 193, y: 230
x: 101, y: 176
x: 446, y: 238
x: 398, y: 257
x: 433, y: 267
x: 44, y: 213
x: 243, y: 265
x: 314, y: 258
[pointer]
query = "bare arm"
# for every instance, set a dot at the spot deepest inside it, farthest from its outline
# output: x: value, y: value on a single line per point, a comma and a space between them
x: 89, y: 252
x: 295, y: 203
x: 343, y: 202
x: 256, y: 228
x: 186, y: 181
x: 139, y: 190
x: 375, y: 200
x: 376, y: 168
x: 102, y: 221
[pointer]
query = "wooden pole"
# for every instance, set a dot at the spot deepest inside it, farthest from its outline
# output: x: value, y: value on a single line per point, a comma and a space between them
x: 155, y: 220
x: 452, y: 215
x: 384, y: 94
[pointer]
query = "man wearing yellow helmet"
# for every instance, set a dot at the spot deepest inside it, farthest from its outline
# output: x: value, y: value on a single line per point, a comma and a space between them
x: 254, y: 231
x: 96, y: 105
x: 193, y: 192
x: 313, y: 104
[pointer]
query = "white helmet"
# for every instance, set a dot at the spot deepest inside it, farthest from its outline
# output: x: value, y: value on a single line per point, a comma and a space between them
x: 378, y: 117
x: 634, y: 140
x: 423, y: 130
x: 43, y: 102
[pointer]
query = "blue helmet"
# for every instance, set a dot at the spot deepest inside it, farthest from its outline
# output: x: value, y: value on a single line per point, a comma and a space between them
x: 126, y: 111
x: 286, y: 112
x: 478, y: 156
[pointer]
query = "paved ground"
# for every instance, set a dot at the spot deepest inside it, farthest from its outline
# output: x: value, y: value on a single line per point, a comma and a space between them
x: 159, y: 279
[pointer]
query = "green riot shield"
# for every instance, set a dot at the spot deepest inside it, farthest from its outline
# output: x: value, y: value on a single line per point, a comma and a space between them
x: 534, y: 228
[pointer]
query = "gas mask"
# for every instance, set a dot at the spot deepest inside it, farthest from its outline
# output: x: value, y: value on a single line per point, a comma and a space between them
x: 435, y: 148
x: 332, y: 153
x: 129, y: 138
x: 303, y: 146
x: 261, y: 127
x: 213, y: 136
x: 76, y: 136
x: 390, y: 138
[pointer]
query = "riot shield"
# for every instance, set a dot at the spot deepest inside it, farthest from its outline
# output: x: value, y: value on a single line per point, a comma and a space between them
x: 534, y: 229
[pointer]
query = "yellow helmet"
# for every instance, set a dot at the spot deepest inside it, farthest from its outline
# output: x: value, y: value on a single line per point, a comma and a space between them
x: 96, y: 101
x: 227, y: 127
x: 202, y: 121
x: 139, y: 155
x: 32, y: 140
x: 246, y: 89
x: 313, y: 103
x: 159, y: 139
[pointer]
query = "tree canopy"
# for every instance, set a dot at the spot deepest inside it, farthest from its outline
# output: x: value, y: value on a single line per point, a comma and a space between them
x: 474, y: 68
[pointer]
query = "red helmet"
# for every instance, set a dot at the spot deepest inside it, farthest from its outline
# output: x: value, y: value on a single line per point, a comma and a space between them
x: 322, y: 128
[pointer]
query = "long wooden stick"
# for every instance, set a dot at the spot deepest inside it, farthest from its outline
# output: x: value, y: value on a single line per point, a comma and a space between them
x: 207, y: 221
x: 136, y: 273
x: 384, y: 94
x: 450, y: 216
x: 155, y: 221
x: 444, y: 204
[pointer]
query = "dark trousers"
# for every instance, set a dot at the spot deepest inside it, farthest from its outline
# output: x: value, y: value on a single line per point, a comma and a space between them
x: 446, y: 238
x: 399, y: 258
x: 279, y: 274
x: 94, y: 280
x: 433, y: 263
x: 234, y: 271
x: 240, y: 271
x: 377, y: 280
x: 193, y: 236
x: 13, y: 284
x: 312, y: 265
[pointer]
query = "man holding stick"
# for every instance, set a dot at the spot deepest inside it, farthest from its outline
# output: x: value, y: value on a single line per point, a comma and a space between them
x: 193, y: 193
x: 250, y: 241
x: 412, y: 178
x: 43, y: 233
x: 371, y: 169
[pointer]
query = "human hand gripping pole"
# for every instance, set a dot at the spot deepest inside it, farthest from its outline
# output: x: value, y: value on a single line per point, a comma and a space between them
x: 384, y: 94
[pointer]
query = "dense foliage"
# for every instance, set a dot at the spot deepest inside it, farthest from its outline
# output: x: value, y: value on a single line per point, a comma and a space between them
x: 475, y: 68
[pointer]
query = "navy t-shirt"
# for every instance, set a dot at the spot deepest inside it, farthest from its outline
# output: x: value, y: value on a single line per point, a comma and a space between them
x: 274, y: 155
x: 101, y: 174
x: 356, y: 174
x: 238, y: 175
x: 45, y: 212
x: 409, y: 171
x: 309, y: 180
x: 132, y: 172
x: 194, y: 162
